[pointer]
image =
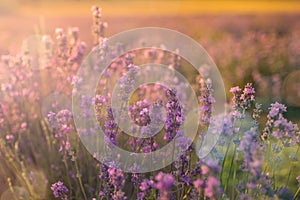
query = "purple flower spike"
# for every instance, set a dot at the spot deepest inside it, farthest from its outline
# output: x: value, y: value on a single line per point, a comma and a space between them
x: 59, y: 190
x: 174, y: 116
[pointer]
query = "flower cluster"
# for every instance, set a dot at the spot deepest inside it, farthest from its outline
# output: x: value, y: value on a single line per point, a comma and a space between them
x: 279, y: 127
x: 62, y: 126
x: 60, y: 190
x: 242, y: 100
x: 140, y: 113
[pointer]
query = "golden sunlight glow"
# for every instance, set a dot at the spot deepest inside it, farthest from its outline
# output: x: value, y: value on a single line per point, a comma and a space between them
x: 130, y: 8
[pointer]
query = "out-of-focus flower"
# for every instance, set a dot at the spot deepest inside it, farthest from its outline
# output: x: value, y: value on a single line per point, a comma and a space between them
x: 164, y: 184
x: 284, y: 193
x: 212, y: 189
x: 199, y: 184
x: 119, y: 195
x: 298, y: 179
x: 253, y: 156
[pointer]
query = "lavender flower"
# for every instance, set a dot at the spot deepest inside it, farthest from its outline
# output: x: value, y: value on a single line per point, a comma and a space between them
x: 256, y: 113
x: 276, y: 110
x: 253, y: 156
x: 164, y: 184
x: 213, y: 188
x: 103, y: 172
x: 129, y: 59
x: 110, y: 127
x: 64, y: 117
x: 248, y: 96
x: 258, y: 182
x: 61, y: 40
x: 279, y: 127
x: 286, y: 132
x: 116, y: 178
x: 149, y: 145
x: 2, y: 119
x: 139, y: 112
x: 186, y: 179
x: 236, y: 91
x: 199, y: 184
x: 181, y: 163
x: 145, y: 188
x: 174, y: 116
x: 242, y: 100
x: 119, y: 195
x: 194, y: 194
x: 214, y: 167
x: 206, y: 99
x: 136, y: 178
x: 197, y: 170
x: 52, y: 120
x: 99, y: 26
x: 284, y: 193
x: 59, y: 190
x: 99, y: 103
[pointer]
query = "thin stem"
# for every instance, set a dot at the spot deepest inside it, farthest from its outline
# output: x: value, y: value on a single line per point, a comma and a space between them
x: 68, y: 177
x: 80, y: 181
x: 274, y: 178
x: 223, y: 163
x: 297, y: 193
x: 173, y: 153
x: 288, y: 179
x: 234, y: 176
x: 231, y: 166
x: 11, y: 189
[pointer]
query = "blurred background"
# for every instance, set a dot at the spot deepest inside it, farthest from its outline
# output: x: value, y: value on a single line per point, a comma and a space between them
x: 250, y: 41
x: 19, y: 18
x: 255, y: 41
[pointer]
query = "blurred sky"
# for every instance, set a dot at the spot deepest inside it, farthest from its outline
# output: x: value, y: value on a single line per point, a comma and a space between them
x: 20, y: 18
x: 147, y: 7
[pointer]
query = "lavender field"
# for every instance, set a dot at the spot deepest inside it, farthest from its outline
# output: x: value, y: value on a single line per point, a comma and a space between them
x: 150, y: 125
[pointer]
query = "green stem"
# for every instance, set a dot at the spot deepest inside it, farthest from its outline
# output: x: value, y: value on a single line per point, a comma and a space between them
x: 297, y: 193
x: 80, y: 181
x: 288, y: 179
x: 223, y: 163
x: 234, y: 175
x: 274, y: 178
x: 11, y: 189
x: 68, y: 177
x: 173, y: 154
x: 231, y: 166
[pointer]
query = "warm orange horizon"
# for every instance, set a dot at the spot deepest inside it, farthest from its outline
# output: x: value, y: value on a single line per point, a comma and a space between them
x: 147, y: 7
